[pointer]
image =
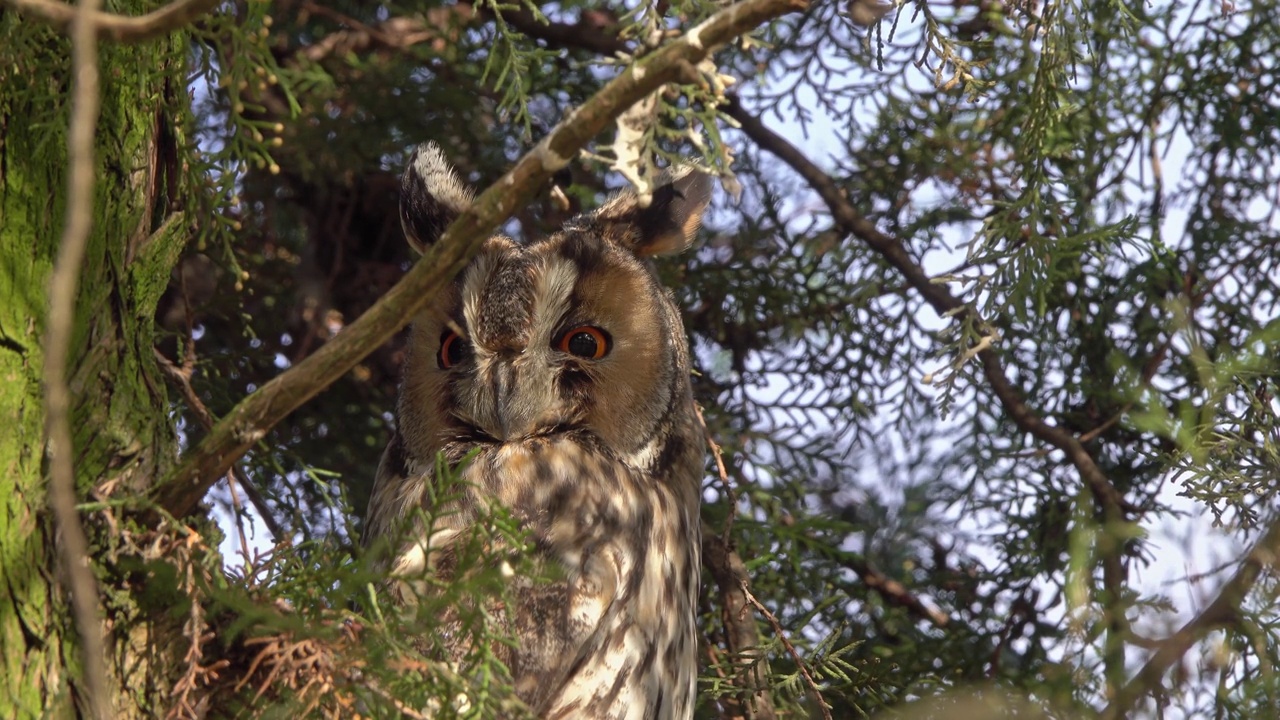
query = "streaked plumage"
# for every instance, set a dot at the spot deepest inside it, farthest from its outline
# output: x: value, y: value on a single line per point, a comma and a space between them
x: 571, y: 379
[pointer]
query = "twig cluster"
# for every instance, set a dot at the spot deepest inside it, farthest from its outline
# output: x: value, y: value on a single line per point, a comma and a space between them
x: 189, y: 699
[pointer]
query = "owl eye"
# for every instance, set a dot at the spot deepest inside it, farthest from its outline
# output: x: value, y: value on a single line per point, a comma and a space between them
x: 585, y: 342
x: 453, y: 350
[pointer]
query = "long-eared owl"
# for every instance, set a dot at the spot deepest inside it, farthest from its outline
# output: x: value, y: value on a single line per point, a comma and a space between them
x: 558, y: 368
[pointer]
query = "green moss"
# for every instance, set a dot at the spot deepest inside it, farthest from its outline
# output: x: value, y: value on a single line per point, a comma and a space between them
x: 29, y: 192
x: 120, y: 417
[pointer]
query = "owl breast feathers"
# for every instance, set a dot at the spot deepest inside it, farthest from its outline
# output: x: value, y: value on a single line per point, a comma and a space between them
x: 559, y: 366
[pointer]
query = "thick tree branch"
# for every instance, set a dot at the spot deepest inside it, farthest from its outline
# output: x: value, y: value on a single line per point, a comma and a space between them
x: 1222, y: 612
x: 85, y: 105
x: 740, y: 633
x: 120, y: 28
x: 249, y: 421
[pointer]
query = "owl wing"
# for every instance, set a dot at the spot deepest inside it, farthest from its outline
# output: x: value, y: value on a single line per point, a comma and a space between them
x: 579, y: 618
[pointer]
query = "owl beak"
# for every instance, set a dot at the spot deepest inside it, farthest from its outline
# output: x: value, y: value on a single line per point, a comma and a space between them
x: 514, y: 412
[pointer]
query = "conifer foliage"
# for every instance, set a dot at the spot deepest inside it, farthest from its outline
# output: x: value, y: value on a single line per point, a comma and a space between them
x: 985, y: 322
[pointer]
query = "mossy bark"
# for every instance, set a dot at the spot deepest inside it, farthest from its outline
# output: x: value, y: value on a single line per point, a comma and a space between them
x: 123, y: 433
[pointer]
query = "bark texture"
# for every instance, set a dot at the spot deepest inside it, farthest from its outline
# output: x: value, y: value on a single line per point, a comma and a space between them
x: 123, y: 436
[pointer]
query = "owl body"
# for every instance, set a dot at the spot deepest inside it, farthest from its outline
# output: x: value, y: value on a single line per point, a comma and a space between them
x: 559, y: 368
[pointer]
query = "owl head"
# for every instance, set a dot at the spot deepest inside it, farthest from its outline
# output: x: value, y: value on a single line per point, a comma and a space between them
x: 570, y: 332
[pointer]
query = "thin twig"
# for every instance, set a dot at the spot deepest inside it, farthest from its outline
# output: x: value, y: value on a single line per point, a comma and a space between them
x: 62, y: 298
x: 716, y: 453
x: 278, y: 534
x: 108, y: 26
x: 182, y: 376
x: 795, y: 655
x: 238, y: 515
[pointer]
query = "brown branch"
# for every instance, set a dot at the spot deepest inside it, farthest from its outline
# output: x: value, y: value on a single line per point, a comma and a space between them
x: 718, y: 455
x: 582, y: 35
x: 85, y: 105
x: 1222, y: 612
x: 249, y: 421
x: 398, y: 33
x: 894, y: 592
x: 237, y: 511
x: 795, y: 654
x: 741, y: 635
x: 938, y: 297
x: 1112, y: 502
x: 120, y: 28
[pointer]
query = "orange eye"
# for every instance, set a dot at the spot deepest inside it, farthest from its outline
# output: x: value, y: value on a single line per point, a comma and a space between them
x: 585, y: 342
x: 453, y: 350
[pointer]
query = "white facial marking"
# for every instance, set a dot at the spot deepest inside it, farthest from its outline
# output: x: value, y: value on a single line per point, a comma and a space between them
x: 556, y: 280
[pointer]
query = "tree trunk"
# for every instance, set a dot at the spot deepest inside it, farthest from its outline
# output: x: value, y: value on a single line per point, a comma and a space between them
x: 123, y: 434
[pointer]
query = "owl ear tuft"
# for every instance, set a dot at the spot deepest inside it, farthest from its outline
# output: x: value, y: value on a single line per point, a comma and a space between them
x: 431, y: 196
x: 670, y: 223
